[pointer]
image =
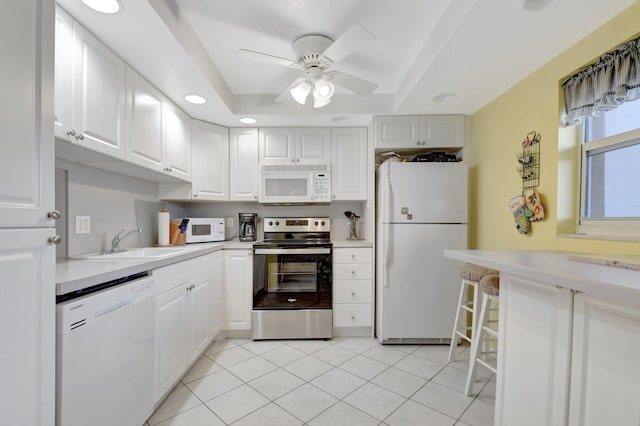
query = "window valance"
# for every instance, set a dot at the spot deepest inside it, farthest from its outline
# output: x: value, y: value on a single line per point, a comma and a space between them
x: 604, y: 85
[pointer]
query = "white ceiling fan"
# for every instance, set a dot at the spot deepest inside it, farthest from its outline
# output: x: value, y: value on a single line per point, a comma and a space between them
x: 315, y: 54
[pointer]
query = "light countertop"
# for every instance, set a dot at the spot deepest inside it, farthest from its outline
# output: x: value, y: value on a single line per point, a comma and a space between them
x: 351, y: 243
x: 556, y: 268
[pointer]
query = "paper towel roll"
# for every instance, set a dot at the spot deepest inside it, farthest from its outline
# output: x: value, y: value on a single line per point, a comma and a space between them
x: 163, y: 228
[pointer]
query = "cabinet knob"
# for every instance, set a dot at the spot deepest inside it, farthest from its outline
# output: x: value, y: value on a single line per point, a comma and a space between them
x: 353, y: 273
x: 80, y: 136
x: 195, y: 195
x: 255, y: 197
x: 54, y: 214
x: 418, y: 143
x: 71, y: 133
x: 353, y: 294
x: 353, y: 256
x: 293, y: 160
x: 423, y: 143
x: 56, y: 239
x: 353, y: 318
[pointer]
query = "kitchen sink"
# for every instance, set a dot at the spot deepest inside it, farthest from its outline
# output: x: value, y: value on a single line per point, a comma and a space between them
x: 138, y: 253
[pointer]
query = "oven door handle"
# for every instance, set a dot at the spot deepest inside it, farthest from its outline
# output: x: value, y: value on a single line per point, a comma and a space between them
x: 293, y: 251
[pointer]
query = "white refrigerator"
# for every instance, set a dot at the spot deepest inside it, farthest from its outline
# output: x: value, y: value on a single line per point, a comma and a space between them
x: 421, y: 211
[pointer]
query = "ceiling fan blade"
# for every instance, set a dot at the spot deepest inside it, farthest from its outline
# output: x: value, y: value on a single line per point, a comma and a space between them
x: 250, y: 54
x: 355, y: 84
x: 350, y: 41
x: 286, y: 95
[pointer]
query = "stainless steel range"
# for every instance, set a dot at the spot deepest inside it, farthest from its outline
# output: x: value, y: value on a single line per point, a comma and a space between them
x: 292, y: 279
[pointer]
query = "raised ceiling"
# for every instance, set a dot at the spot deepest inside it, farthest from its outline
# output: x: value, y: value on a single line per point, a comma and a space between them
x: 476, y: 49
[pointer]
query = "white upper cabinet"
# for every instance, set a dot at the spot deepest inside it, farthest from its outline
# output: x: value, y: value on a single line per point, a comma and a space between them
x: 349, y: 163
x: 26, y: 134
x: 313, y: 145
x: 98, y: 104
x: 144, y: 123
x: 243, y: 164
x: 63, y: 74
x: 287, y: 146
x: 176, y: 137
x: 211, y: 161
x: 417, y: 132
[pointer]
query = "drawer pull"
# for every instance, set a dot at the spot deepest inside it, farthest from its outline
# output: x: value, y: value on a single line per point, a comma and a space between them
x: 353, y: 256
x: 353, y: 273
x: 353, y: 293
x: 353, y: 318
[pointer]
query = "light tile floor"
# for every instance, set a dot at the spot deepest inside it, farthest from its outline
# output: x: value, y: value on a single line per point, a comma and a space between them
x: 342, y: 381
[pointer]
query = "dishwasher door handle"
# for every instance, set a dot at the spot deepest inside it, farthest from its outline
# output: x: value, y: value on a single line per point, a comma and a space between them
x: 114, y: 307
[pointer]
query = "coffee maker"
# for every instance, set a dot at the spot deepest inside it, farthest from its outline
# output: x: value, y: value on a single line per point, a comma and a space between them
x: 247, y: 223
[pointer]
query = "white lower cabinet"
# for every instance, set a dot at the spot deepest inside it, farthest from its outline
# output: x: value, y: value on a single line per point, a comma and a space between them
x: 238, y: 290
x: 352, y: 290
x: 565, y: 358
x: 185, y: 312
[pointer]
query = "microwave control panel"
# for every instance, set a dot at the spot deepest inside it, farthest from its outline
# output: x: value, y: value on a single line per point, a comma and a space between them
x: 322, y: 186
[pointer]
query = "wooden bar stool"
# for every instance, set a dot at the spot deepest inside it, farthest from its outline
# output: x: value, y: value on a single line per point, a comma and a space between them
x: 471, y: 275
x: 486, y: 337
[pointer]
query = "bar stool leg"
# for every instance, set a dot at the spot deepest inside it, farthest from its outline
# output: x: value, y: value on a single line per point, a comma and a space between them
x: 479, y: 337
x: 461, y: 311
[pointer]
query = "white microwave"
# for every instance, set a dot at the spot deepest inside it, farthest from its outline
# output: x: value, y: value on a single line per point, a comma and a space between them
x: 295, y: 184
x: 204, y: 229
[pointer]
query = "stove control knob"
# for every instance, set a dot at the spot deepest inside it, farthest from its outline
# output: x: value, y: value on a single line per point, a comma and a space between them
x: 322, y: 223
x: 316, y: 223
x: 270, y: 223
x: 277, y: 223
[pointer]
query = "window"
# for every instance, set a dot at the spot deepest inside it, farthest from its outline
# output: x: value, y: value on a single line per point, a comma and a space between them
x: 610, y: 184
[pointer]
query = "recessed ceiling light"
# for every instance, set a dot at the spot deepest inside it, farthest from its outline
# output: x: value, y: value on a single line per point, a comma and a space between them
x: 195, y: 99
x: 444, y: 97
x: 104, y: 6
x: 534, y: 5
x: 248, y: 120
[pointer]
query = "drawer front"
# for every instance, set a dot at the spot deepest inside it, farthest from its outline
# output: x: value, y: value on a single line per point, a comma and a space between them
x: 353, y: 271
x: 352, y: 291
x: 352, y: 255
x: 352, y: 315
x: 170, y: 276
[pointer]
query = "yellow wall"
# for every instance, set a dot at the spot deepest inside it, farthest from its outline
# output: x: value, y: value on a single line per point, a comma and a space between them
x: 497, y: 131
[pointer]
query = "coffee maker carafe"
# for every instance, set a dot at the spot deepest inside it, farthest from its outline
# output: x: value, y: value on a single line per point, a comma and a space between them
x: 247, y: 226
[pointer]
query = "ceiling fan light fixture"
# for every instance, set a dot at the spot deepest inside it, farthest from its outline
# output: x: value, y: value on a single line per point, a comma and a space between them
x: 323, y: 89
x: 102, y: 6
x: 300, y: 92
x: 319, y: 103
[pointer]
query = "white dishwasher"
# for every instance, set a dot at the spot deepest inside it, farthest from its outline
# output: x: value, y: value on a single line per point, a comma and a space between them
x: 104, y: 355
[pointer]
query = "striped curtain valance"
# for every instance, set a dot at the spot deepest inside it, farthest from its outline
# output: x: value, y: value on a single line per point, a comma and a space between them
x: 602, y: 86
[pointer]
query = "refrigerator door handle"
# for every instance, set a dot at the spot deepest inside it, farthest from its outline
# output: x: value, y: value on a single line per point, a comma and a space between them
x: 386, y: 228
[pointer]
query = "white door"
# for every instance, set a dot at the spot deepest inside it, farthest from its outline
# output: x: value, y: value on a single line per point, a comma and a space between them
x: 63, y: 75
x: 200, y: 312
x: 171, y: 339
x: 313, y: 145
x: 605, y: 377
x: 177, y: 141
x: 535, y: 320
x: 399, y: 131
x: 243, y: 164
x: 349, y: 163
x: 238, y: 268
x: 277, y: 146
x: 27, y: 315
x: 427, y: 192
x: 26, y: 114
x: 144, y: 123
x: 98, y: 95
x: 211, y: 159
x: 418, y: 292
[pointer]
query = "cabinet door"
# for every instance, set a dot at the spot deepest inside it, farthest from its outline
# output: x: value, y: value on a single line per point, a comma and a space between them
x: 397, y: 131
x: 313, y: 145
x: 63, y: 74
x: 211, y: 160
x: 199, y: 312
x: 243, y: 164
x: 144, y: 123
x: 277, y: 146
x: 27, y: 315
x: 216, y: 294
x: 533, y: 369
x: 98, y: 95
x: 238, y: 266
x: 177, y: 141
x: 171, y: 339
x: 605, y: 377
x: 442, y: 131
x: 349, y: 164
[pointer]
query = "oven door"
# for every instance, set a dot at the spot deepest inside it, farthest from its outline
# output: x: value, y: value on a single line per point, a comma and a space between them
x: 292, y: 278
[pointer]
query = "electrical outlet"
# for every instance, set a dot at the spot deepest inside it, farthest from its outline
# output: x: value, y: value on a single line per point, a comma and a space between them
x: 229, y: 222
x: 83, y: 224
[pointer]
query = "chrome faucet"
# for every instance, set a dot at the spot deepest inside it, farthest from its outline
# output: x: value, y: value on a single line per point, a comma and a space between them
x: 115, y: 242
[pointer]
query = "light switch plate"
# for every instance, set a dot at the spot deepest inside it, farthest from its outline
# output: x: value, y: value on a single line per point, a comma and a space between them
x: 229, y: 222
x: 83, y: 224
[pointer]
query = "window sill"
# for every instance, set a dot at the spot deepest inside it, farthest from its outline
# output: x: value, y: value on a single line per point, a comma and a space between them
x: 603, y: 237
